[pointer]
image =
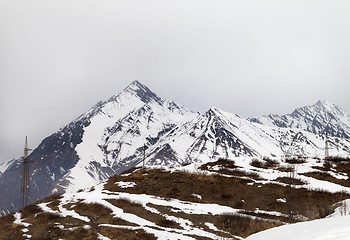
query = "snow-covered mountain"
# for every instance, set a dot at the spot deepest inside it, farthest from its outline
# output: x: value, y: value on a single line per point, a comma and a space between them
x: 104, y: 141
x: 5, y: 165
x: 321, y: 118
x: 218, y: 134
x: 118, y: 133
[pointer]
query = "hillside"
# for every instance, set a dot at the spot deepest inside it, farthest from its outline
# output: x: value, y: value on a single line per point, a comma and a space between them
x: 323, y: 229
x: 211, y: 201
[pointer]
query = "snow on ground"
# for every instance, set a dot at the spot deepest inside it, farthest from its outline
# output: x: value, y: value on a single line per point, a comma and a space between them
x: 270, y: 175
x: 101, y: 196
x: 101, y: 237
x: 63, y: 212
x: 332, y: 228
x: 197, y: 196
x: 122, y: 184
x: 336, y: 228
x: 342, y: 209
x: 19, y: 221
x: 5, y: 165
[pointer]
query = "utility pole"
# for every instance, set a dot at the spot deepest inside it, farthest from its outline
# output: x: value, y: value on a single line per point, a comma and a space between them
x: 326, y: 148
x: 25, y: 184
x: 144, y: 155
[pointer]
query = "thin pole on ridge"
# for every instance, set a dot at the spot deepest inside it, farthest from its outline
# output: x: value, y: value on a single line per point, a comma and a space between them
x: 25, y: 184
x: 144, y: 155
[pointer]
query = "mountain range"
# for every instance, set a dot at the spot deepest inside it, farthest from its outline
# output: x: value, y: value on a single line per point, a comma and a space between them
x: 136, y: 127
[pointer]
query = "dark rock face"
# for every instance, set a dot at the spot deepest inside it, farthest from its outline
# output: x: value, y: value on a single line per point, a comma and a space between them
x: 50, y: 161
x: 56, y: 155
x: 222, y: 137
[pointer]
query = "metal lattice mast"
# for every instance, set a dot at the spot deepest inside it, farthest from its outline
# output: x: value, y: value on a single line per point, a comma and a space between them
x: 326, y: 148
x: 144, y: 155
x: 25, y: 184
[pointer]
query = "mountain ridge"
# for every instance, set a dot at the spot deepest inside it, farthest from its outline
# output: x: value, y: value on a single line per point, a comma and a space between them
x: 322, y: 117
x: 112, y: 136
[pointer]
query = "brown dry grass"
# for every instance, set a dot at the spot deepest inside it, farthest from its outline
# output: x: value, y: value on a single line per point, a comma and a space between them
x: 99, y: 214
x: 228, y: 167
x: 265, y: 216
x: 338, y: 159
x: 198, y: 220
x: 338, y: 163
x: 266, y: 163
x: 292, y: 181
x: 30, y: 210
x: 9, y: 230
x: 295, y: 160
x: 125, y: 234
x: 224, y: 163
x: 226, y: 191
x: 327, y: 177
x: 137, y: 209
x: 243, y: 226
x: 231, y: 191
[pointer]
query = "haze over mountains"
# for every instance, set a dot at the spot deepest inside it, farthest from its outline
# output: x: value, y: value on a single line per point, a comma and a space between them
x: 136, y: 125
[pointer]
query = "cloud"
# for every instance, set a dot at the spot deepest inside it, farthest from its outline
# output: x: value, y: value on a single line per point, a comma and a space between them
x: 59, y: 58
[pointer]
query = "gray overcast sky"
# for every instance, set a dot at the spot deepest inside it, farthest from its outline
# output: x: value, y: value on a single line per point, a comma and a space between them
x: 58, y: 58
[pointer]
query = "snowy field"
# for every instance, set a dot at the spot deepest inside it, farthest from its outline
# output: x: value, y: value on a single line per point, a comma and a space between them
x: 335, y: 228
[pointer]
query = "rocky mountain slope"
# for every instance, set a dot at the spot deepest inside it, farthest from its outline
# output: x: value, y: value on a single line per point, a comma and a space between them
x: 218, y: 134
x: 104, y: 141
x: 320, y: 118
x: 137, y: 125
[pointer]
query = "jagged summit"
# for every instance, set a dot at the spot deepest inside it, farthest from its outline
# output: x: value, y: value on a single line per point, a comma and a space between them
x: 323, y: 103
x: 321, y: 107
x: 142, y: 91
x: 322, y: 117
x: 134, y: 92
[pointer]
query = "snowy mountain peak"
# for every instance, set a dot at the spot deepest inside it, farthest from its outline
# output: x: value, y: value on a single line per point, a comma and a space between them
x: 211, y: 112
x: 141, y: 91
x: 322, y: 107
x: 329, y: 106
x: 214, y: 111
x: 322, y: 117
x: 324, y: 111
x: 323, y: 103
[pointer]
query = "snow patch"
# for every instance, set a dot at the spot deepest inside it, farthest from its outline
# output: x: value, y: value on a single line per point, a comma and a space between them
x: 337, y: 228
x: 122, y: 184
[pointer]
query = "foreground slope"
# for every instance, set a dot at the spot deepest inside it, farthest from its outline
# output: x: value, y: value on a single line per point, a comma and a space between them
x: 171, y: 204
x: 322, y: 229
